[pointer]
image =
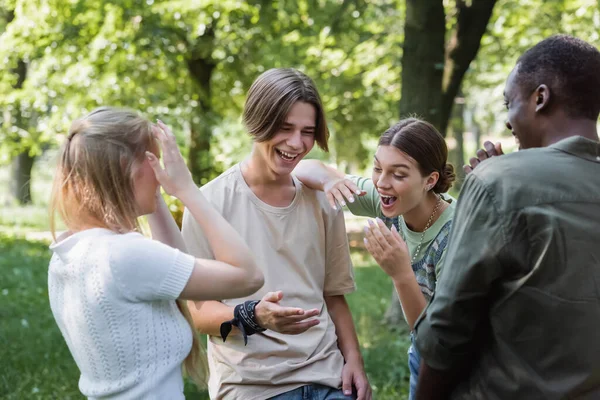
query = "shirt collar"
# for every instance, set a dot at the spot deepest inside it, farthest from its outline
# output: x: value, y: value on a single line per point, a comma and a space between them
x: 580, y: 147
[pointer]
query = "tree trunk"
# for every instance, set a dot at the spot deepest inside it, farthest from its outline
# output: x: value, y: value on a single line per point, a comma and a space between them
x: 432, y: 72
x: 20, y: 182
x: 458, y: 129
x: 423, y: 60
x: 471, y: 24
x: 201, y: 67
x: 394, y: 316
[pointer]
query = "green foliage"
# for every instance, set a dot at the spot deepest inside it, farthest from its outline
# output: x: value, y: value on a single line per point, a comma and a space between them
x: 36, y: 362
x: 515, y: 27
x: 82, y: 54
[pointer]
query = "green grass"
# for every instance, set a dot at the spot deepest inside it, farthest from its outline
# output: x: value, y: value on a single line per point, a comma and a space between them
x: 36, y: 363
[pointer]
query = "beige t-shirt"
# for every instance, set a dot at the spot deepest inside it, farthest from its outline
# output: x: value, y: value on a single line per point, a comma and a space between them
x: 303, y: 251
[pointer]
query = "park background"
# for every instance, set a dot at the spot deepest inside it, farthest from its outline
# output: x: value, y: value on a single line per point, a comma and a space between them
x: 190, y: 63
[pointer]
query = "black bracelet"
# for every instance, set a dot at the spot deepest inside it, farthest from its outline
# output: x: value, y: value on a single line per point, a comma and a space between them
x: 244, y: 319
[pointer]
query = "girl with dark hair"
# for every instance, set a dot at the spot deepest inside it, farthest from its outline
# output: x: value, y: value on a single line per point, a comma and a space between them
x: 407, y: 192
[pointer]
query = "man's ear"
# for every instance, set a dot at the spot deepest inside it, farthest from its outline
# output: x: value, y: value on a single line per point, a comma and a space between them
x: 542, y: 97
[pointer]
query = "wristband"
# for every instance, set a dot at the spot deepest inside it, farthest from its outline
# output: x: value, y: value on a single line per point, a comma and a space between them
x: 244, y: 318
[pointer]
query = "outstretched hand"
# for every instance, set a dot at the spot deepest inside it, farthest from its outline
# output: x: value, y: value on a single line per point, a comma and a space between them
x: 175, y: 177
x: 489, y: 150
x: 290, y: 320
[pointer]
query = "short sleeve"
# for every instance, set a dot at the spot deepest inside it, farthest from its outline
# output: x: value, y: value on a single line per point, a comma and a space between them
x: 148, y: 270
x: 368, y: 205
x: 194, y: 238
x: 339, y: 273
x: 447, y: 330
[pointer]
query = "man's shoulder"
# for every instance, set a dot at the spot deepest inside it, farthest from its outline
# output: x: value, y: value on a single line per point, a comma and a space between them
x: 520, y: 179
x: 520, y: 163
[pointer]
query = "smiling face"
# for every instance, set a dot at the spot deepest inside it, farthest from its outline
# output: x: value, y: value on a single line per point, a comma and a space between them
x: 398, y: 180
x: 522, y: 118
x: 294, y: 140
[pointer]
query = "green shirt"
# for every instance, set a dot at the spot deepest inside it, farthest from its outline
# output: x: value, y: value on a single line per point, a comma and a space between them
x: 518, y: 308
x: 433, y: 249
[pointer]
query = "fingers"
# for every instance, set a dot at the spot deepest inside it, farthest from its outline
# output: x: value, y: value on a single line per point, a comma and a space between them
x: 155, y: 164
x: 482, y: 155
x: 163, y: 143
x: 331, y: 200
x: 339, y: 197
x: 341, y: 191
x: 349, y: 189
x: 374, y: 249
x: 377, y: 234
x: 168, y: 141
x: 165, y: 129
x: 361, y: 389
x: 293, y: 321
x: 284, y: 312
x: 353, y: 188
x: 347, y: 193
x: 498, y: 147
x: 371, y: 242
x: 296, y: 318
x: 299, y: 327
x: 473, y: 162
x: 273, y: 297
x: 347, y: 376
x: 386, y: 234
x: 490, y: 149
x: 396, y: 235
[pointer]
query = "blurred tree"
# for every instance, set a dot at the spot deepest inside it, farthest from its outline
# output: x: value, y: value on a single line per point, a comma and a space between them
x: 439, y: 45
x: 517, y: 26
x: 15, y: 123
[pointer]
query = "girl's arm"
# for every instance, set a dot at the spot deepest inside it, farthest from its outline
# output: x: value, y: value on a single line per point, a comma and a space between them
x: 233, y: 273
x: 360, y: 193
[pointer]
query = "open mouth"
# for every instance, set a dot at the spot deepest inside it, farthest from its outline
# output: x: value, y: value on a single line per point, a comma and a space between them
x: 388, y: 200
x: 286, y: 156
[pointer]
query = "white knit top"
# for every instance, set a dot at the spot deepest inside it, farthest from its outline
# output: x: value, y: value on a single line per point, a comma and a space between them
x: 113, y: 298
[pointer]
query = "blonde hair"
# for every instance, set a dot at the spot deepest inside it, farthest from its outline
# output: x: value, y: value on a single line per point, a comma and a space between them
x: 93, y: 187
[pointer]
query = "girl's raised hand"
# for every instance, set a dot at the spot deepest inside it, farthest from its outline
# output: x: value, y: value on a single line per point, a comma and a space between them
x: 175, y: 177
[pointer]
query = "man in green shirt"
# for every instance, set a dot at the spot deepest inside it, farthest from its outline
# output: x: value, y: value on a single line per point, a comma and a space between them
x: 516, y: 313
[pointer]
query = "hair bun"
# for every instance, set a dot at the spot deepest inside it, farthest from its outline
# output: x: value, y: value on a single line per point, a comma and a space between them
x: 447, y: 178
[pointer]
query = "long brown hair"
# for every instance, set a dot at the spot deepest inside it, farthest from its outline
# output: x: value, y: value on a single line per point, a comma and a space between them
x: 272, y: 96
x: 93, y: 186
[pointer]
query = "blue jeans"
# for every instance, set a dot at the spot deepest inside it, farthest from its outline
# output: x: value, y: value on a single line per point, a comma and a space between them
x: 414, y: 361
x: 314, y: 392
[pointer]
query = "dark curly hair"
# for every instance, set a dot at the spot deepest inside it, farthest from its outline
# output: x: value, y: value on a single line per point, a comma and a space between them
x: 570, y: 67
x: 421, y: 141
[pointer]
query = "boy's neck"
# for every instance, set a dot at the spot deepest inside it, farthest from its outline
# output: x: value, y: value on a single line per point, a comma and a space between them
x: 272, y: 189
x: 257, y: 173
